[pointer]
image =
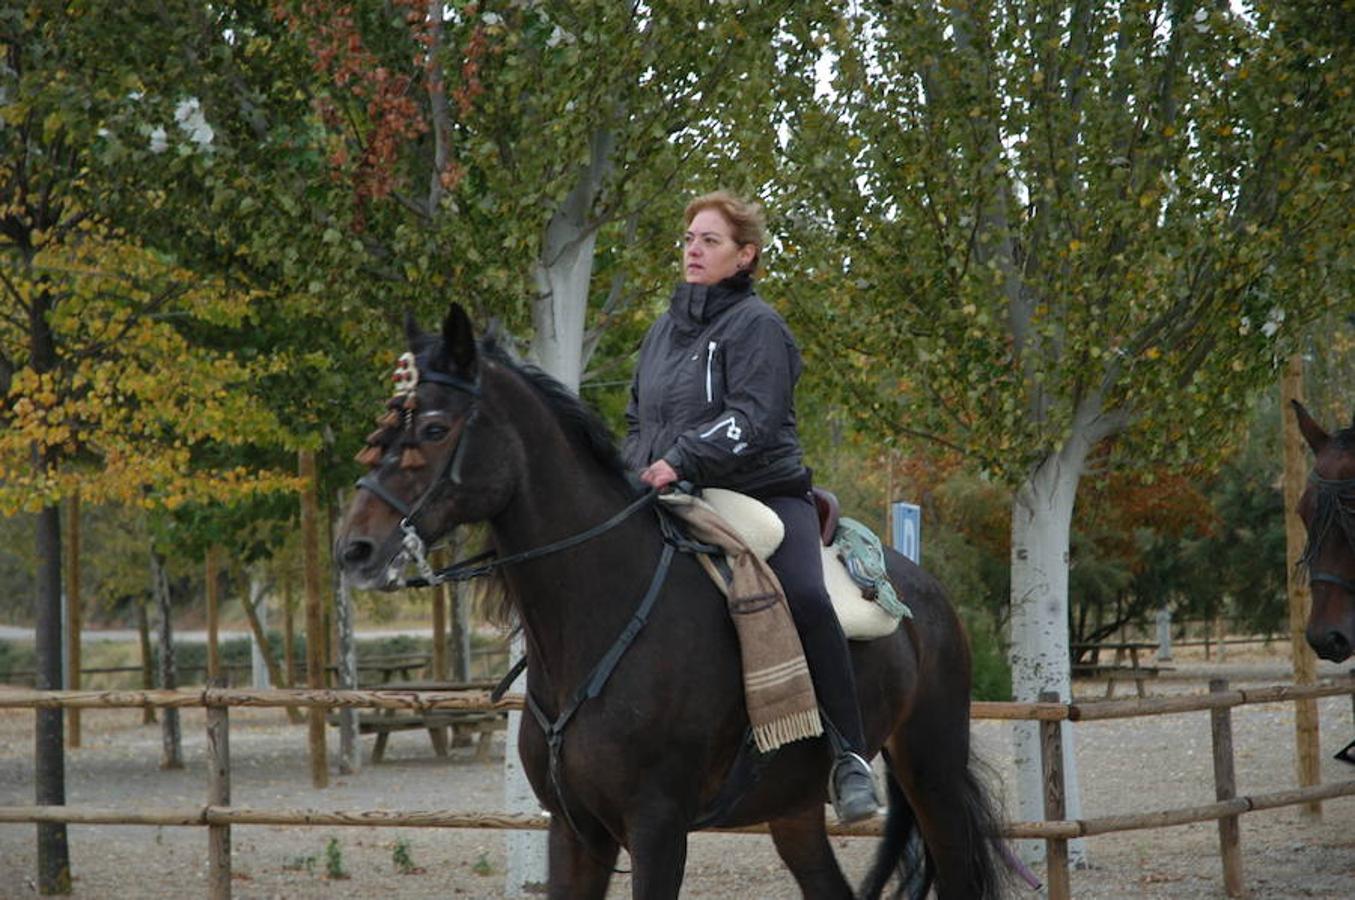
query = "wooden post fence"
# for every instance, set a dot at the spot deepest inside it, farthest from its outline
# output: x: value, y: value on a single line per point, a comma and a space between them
x: 218, y: 815
x: 1300, y: 596
x: 218, y: 746
x: 1225, y: 789
x: 1051, y: 761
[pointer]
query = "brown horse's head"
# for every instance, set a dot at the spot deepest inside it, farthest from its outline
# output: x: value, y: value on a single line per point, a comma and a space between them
x: 435, y: 462
x: 1327, y: 508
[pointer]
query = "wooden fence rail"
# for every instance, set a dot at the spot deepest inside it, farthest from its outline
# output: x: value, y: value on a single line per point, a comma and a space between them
x: 219, y: 816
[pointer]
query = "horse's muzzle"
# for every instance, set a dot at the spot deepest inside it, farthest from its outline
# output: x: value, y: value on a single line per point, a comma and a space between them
x: 364, y: 565
x: 1330, y: 644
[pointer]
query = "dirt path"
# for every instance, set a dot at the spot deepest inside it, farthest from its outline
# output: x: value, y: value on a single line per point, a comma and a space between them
x: 1127, y: 765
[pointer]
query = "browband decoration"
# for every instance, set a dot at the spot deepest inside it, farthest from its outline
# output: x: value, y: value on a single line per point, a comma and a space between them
x: 400, y: 413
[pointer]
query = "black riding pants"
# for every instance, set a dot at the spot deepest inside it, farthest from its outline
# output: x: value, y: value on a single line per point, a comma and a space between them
x: 797, y: 563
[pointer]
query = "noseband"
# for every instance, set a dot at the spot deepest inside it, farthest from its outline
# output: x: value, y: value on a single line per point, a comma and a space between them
x: 1330, y: 512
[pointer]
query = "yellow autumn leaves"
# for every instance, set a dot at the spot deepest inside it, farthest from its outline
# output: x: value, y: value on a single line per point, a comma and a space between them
x: 132, y: 401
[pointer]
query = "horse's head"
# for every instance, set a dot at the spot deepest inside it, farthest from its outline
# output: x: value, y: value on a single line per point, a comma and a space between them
x: 436, y: 460
x: 1327, y: 508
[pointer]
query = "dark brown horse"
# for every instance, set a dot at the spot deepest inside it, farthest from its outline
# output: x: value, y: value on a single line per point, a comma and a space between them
x: 647, y: 751
x: 1327, y: 508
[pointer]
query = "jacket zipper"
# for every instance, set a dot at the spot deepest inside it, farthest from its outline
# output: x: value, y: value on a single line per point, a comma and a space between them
x: 710, y: 355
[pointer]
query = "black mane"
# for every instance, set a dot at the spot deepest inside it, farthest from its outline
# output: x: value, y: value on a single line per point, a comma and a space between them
x: 578, y: 420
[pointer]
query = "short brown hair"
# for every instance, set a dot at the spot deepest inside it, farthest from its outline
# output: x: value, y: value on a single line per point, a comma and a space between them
x: 745, y: 218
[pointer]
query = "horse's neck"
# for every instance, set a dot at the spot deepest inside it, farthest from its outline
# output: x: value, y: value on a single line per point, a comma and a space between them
x: 573, y: 602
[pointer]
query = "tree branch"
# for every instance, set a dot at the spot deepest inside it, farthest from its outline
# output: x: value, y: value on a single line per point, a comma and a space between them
x: 437, y: 103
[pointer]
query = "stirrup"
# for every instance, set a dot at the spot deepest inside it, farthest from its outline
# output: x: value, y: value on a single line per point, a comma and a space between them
x: 852, y: 776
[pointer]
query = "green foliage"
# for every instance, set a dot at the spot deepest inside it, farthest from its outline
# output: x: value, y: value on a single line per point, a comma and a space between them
x: 482, y: 866
x: 16, y: 656
x: 991, y: 673
x: 401, y: 858
x: 334, y: 869
x: 1009, y: 223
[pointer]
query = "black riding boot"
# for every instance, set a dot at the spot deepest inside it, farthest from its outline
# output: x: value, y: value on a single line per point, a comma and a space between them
x: 851, y: 785
x: 797, y: 565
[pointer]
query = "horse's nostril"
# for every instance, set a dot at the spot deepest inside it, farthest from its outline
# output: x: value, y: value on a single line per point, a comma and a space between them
x: 1338, y: 644
x: 357, y: 551
x: 1331, y: 645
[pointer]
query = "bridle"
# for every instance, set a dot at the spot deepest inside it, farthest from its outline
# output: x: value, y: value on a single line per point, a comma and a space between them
x: 450, y: 475
x: 1330, y: 512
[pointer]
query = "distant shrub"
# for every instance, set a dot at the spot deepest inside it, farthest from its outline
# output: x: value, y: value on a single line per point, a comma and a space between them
x: 16, y: 656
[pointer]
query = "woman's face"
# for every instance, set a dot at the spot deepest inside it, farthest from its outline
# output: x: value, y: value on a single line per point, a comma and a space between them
x: 710, y: 254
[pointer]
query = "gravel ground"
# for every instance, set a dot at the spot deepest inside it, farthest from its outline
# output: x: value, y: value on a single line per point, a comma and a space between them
x: 1126, y: 765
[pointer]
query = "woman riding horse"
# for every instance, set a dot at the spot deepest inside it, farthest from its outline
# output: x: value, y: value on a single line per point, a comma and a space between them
x: 712, y: 403
x: 638, y: 732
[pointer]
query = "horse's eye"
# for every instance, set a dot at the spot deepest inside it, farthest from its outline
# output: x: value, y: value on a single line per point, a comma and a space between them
x: 435, y: 432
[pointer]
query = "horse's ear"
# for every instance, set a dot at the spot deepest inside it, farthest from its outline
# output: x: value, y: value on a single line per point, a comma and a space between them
x: 458, y: 341
x: 1312, y: 432
x: 412, y: 330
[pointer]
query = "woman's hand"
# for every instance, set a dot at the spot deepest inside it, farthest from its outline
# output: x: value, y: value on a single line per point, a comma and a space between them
x: 659, y: 475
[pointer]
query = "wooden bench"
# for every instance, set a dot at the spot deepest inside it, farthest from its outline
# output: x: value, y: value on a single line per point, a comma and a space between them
x: 465, y: 726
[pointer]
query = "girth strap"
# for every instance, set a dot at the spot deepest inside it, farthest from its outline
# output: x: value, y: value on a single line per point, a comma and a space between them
x: 592, y: 686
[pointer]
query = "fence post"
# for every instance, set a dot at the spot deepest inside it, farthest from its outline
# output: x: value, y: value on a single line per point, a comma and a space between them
x: 1225, y: 788
x: 219, y: 794
x: 1051, y: 759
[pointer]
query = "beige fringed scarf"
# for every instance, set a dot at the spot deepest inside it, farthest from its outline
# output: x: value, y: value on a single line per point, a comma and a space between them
x: 780, y: 696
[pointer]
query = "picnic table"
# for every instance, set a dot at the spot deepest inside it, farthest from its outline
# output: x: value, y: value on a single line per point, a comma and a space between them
x: 464, y: 725
x: 386, y: 668
x: 1121, y: 669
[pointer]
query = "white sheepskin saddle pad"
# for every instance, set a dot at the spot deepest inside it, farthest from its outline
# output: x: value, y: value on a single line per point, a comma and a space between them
x: 762, y: 530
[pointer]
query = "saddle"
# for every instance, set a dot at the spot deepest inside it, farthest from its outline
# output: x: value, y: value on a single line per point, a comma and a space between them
x: 862, y: 619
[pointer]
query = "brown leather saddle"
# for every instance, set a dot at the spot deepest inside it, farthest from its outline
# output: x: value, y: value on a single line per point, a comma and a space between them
x: 829, y: 512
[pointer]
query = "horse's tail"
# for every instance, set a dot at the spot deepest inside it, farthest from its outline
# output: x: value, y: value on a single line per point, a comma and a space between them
x: 989, y: 874
x: 901, y: 851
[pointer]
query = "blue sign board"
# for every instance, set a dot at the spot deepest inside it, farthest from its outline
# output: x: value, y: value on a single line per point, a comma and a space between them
x: 906, y: 523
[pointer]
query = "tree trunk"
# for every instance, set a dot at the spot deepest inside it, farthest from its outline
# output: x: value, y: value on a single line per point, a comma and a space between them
x: 143, y: 628
x: 1042, y: 513
x: 461, y: 661
x: 213, y: 585
x: 563, y: 274
x: 54, y: 866
x: 350, y: 750
x: 73, y: 616
x: 289, y: 629
x: 439, y: 660
x: 171, y: 744
x: 273, y: 671
x: 315, y: 633
x: 564, y: 271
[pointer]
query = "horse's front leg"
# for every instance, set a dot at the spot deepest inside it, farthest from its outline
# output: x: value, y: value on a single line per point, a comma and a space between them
x: 658, y: 852
x: 579, y: 870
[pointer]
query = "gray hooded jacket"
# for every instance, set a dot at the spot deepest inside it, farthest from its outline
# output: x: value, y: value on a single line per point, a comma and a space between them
x: 713, y: 392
